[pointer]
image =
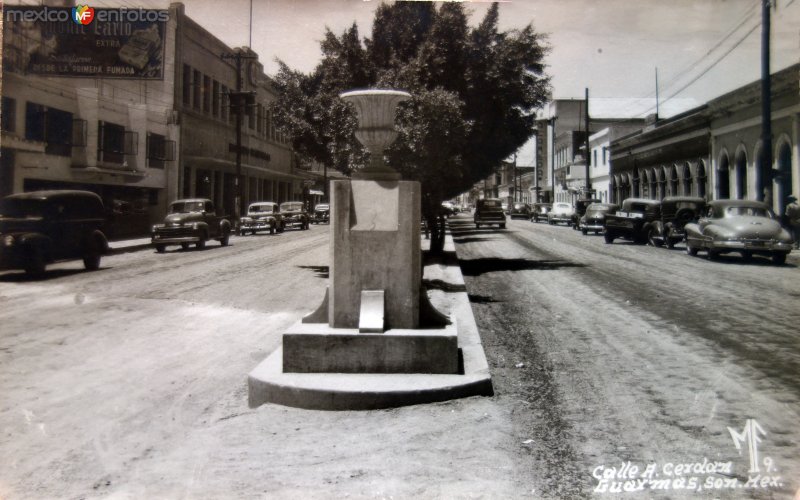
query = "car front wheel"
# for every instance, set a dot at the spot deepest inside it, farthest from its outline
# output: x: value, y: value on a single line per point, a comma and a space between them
x: 608, y: 237
x: 35, y: 264
x: 690, y: 250
x: 779, y: 258
x: 226, y: 238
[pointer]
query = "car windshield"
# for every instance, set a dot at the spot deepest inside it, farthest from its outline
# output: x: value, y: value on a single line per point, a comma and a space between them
x: 519, y: 206
x: 183, y: 207
x: 562, y: 206
x: 291, y: 206
x: 261, y: 209
x: 22, y: 208
x: 597, y: 209
x: 752, y: 211
x: 491, y: 203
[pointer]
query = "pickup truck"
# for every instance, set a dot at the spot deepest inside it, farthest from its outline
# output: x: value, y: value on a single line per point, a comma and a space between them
x: 190, y: 221
x: 633, y: 221
x: 489, y: 211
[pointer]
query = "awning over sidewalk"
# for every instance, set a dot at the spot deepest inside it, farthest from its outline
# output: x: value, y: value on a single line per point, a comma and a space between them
x: 209, y: 162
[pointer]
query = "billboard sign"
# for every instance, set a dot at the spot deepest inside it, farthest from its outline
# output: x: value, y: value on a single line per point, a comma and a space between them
x: 85, y: 42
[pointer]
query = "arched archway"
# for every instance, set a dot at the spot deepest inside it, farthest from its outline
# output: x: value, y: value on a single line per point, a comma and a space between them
x: 673, y: 181
x: 740, y: 174
x: 702, y: 179
x: 723, y: 178
x: 687, y: 180
x: 785, y: 174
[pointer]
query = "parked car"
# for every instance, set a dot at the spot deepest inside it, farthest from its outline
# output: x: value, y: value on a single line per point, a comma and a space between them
x: 322, y: 213
x: 41, y: 227
x: 561, y: 212
x: 539, y: 211
x: 580, y: 209
x: 449, y: 209
x: 676, y: 212
x: 192, y: 220
x: 747, y: 227
x: 504, y: 205
x: 489, y: 211
x: 633, y: 220
x: 294, y: 215
x: 594, y: 217
x: 520, y: 211
x: 261, y: 216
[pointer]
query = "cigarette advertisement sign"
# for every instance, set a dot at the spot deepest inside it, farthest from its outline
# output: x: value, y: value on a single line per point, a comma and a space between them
x: 85, y: 42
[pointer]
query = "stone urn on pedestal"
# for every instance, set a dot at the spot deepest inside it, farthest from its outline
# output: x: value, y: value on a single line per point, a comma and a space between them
x: 375, y: 319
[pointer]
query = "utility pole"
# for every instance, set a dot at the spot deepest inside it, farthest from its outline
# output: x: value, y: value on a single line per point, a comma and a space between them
x: 588, y: 151
x: 766, y: 105
x: 239, y: 101
x: 553, y: 156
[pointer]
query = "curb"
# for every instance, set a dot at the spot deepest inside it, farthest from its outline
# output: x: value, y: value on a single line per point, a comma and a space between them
x: 267, y: 383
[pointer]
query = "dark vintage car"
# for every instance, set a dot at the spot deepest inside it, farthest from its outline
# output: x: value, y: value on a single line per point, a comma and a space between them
x: 539, y: 211
x: 743, y: 226
x: 489, y: 211
x: 41, y: 227
x: 520, y: 211
x: 595, y: 216
x: 294, y: 215
x: 633, y: 220
x: 561, y: 212
x: 322, y: 213
x: 261, y: 216
x: 676, y: 212
x: 580, y: 209
x: 188, y: 221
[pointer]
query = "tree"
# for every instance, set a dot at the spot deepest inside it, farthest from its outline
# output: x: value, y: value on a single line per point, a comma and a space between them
x: 475, y: 93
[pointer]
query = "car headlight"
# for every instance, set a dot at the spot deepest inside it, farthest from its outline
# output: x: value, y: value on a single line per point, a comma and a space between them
x: 8, y: 240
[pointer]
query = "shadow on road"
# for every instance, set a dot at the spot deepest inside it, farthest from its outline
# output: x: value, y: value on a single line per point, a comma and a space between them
x: 22, y: 277
x: 481, y: 299
x: 476, y: 267
x: 322, y: 271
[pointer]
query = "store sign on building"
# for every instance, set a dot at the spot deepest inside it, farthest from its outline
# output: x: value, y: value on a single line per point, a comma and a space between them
x: 85, y: 42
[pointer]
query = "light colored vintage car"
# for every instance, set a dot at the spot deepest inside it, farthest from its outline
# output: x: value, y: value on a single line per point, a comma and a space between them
x: 561, y: 212
x: 261, y: 216
x: 743, y: 226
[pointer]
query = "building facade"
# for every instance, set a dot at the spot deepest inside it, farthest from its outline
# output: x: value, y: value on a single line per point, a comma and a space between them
x: 715, y: 150
x: 140, y: 132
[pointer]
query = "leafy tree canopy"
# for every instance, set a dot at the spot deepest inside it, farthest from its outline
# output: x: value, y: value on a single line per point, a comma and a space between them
x: 475, y: 93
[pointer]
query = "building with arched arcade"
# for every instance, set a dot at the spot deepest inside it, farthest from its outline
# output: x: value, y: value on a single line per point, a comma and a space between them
x: 715, y: 150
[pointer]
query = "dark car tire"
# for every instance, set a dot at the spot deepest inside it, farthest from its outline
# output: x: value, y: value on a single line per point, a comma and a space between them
x: 778, y: 258
x: 651, y: 238
x: 200, y: 244
x: 608, y: 237
x: 91, y: 261
x: 712, y: 254
x: 690, y: 250
x: 477, y: 226
x: 502, y: 226
x: 271, y: 229
x: 226, y: 239
x: 161, y: 248
x: 185, y: 246
x: 584, y: 231
x: 35, y: 264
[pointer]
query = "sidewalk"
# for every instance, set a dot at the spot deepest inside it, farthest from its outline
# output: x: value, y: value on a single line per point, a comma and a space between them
x: 125, y: 246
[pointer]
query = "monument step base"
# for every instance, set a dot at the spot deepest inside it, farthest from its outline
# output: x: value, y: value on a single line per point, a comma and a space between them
x: 318, y: 348
x: 268, y: 383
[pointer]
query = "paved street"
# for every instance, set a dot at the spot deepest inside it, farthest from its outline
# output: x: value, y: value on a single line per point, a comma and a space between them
x: 607, y: 360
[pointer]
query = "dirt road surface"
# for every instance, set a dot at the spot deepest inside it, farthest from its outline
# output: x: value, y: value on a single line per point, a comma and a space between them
x: 130, y: 382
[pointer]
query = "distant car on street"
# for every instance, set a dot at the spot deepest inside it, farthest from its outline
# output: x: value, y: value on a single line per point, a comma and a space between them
x: 633, y: 220
x: 191, y: 221
x: 41, y: 227
x: 261, y: 216
x: 489, y: 211
x: 595, y: 217
x: 294, y: 215
x: 520, y: 211
x: 743, y: 226
x: 539, y: 211
x: 322, y: 213
x: 561, y: 212
x: 580, y: 209
x: 676, y: 212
